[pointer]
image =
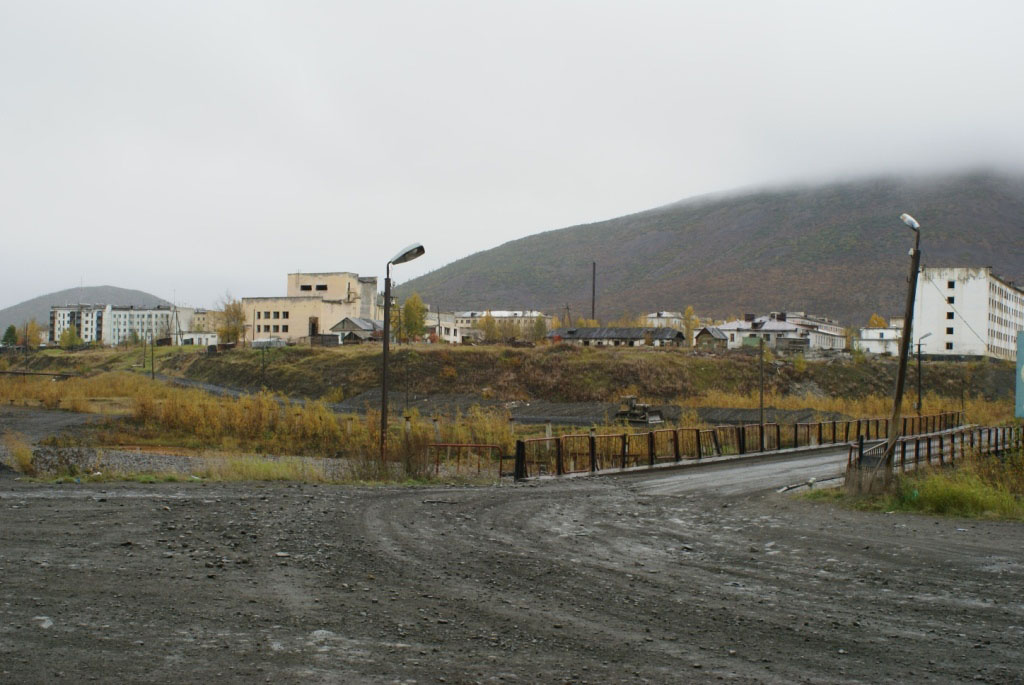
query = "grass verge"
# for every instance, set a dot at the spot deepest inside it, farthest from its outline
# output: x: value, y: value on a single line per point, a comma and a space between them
x: 979, y: 487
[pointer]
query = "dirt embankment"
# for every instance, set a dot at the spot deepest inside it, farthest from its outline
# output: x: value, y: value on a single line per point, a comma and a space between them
x: 571, y: 374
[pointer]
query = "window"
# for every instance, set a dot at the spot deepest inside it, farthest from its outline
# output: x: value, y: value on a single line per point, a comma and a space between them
x: 266, y: 315
x: 949, y: 315
x: 258, y: 314
x: 284, y: 328
x: 949, y: 346
x: 321, y: 286
x: 275, y: 328
x: 277, y: 315
x: 950, y: 284
x: 284, y: 315
x: 949, y: 330
x: 305, y: 287
x: 950, y: 299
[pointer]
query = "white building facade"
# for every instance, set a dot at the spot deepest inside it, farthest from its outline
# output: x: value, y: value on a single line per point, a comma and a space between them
x: 114, y: 324
x: 967, y: 311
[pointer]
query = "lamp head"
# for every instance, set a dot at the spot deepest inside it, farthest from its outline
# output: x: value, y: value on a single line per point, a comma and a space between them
x: 910, y: 221
x: 408, y: 254
x: 923, y: 337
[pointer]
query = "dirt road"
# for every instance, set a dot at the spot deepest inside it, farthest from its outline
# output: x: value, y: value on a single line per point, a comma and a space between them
x: 586, y: 581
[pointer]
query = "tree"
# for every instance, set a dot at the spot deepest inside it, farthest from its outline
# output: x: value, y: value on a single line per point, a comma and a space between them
x: 690, y: 322
x: 414, y: 317
x: 29, y: 334
x: 490, y: 328
x: 877, y: 321
x: 70, y: 338
x: 11, y: 335
x: 540, y: 329
x: 555, y: 322
x: 231, y: 321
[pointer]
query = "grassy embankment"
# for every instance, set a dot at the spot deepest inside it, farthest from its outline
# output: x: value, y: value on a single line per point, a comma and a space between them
x: 982, y: 487
x: 161, y: 415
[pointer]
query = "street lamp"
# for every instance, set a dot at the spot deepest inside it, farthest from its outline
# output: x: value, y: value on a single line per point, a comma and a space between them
x: 919, y: 371
x: 908, y: 316
x: 406, y: 255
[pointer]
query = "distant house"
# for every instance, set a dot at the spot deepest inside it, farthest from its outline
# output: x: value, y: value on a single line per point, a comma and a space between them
x: 786, y: 332
x: 620, y: 337
x: 665, y: 320
x: 354, y: 330
x: 879, y: 340
x: 711, y: 339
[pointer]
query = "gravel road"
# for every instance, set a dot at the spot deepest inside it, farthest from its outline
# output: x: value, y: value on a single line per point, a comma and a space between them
x: 591, y: 580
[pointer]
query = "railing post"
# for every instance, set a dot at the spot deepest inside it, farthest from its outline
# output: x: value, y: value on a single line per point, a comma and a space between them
x: 592, y: 440
x: 833, y: 432
x: 819, y: 432
x: 741, y: 439
x: 928, y: 450
x: 860, y: 449
x: 778, y: 437
x: 718, y: 445
x: 559, y: 463
x: 903, y: 455
x: 650, y: 448
x: 917, y: 451
x: 942, y: 449
x: 677, y: 455
x: 696, y: 435
x: 519, y: 472
x: 625, y: 448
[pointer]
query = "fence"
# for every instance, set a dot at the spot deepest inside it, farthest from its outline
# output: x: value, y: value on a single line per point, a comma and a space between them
x: 470, y: 460
x: 590, y: 452
x: 913, y: 451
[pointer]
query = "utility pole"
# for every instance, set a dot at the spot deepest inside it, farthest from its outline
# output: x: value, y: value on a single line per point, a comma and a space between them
x: 152, y: 357
x: 761, y: 364
x: 593, y: 291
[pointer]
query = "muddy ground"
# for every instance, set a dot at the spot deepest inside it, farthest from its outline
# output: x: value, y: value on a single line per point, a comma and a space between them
x: 585, y: 581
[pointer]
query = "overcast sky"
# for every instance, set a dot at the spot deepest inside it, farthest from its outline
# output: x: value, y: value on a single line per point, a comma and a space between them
x: 189, y: 148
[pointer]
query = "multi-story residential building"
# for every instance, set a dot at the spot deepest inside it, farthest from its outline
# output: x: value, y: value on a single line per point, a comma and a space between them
x: 114, y: 324
x: 523, y: 318
x: 967, y: 311
x: 315, y: 302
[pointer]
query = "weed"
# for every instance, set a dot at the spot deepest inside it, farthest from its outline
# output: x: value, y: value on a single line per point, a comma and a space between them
x: 20, y: 451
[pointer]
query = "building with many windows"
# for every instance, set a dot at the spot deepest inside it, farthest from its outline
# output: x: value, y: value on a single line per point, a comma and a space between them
x: 967, y: 312
x: 315, y: 302
x: 111, y: 324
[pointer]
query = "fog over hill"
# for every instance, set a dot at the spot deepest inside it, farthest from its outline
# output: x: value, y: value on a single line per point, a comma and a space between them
x: 39, y: 307
x: 838, y: 250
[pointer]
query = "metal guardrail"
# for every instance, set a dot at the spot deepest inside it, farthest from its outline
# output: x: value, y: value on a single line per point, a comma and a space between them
x: 939, y: 448
x: 578, y: 453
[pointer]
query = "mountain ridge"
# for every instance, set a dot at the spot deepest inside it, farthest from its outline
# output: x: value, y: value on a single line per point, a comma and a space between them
x: 836, y: 250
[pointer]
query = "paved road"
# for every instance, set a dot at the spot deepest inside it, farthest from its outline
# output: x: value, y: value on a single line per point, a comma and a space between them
x: 746, y: 475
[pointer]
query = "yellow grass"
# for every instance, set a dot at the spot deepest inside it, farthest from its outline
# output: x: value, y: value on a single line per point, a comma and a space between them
x: 20, y: 453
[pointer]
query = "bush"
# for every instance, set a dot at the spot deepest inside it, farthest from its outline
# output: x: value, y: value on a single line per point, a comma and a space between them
x: 20, y: 452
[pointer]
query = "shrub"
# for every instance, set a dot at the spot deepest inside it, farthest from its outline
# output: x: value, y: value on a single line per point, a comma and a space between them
x: 20, y: 452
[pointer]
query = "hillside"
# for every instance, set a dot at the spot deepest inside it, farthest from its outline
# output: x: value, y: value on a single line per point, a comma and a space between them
x: 39, y: 307
x: 837, y: 250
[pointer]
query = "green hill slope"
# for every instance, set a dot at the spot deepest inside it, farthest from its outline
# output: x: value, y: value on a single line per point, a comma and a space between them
x: 837, y: 250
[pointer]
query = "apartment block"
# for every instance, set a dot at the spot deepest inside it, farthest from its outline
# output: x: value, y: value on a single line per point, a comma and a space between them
x: 967, y: 311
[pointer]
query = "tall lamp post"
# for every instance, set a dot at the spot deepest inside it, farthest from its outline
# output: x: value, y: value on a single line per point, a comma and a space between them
x: 406, y: 255
x: 908, y: 316
x: 919, y: 371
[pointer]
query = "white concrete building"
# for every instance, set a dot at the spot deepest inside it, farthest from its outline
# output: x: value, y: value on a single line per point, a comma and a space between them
x: 879, y: 340
x: 968, y: 312
x: 666, y: 320
x: 114, y: 324
x: 786, y: 331
x: 445, y: 326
